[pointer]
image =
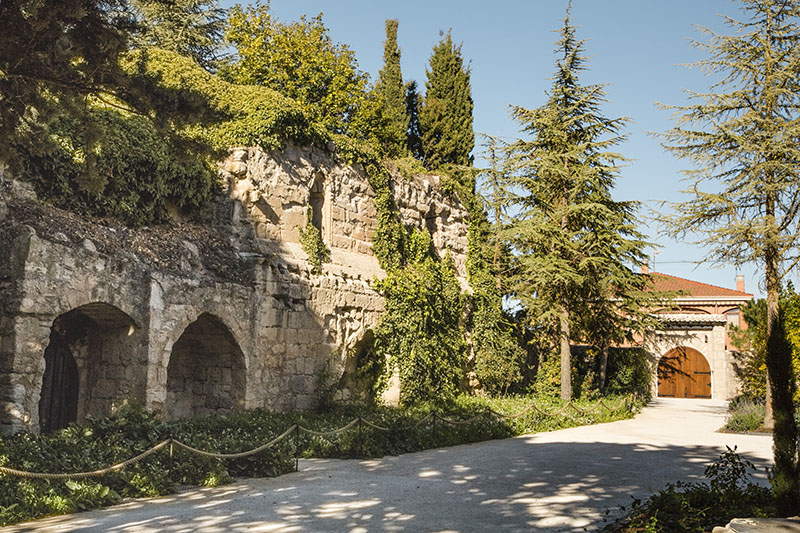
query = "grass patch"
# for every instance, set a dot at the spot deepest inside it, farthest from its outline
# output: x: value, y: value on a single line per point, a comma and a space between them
x: 100, y: 443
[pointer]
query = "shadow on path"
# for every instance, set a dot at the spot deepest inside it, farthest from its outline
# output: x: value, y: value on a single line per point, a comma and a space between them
x: 522, y: 484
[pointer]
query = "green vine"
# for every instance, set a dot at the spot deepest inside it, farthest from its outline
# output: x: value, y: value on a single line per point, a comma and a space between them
x: 313, y: 245
x: 421, y: 333
x: 499, y: 358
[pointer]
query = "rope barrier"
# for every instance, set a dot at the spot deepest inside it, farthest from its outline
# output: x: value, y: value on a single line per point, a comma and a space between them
x: 298, y: 428
x: 80, y: 475
x: 329, y: 433
x: 238, y: 455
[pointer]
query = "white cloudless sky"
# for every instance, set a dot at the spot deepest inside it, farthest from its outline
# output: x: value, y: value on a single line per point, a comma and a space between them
x: 639, y: 48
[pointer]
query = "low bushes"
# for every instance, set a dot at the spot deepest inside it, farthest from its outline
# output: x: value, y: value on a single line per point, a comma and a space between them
x: 683, y: 507
x: 744, y: 415
x: 100, y: 443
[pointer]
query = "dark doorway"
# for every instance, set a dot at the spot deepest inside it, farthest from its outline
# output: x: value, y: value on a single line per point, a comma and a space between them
x: 91, y: 362
x: 684, y: 373
x: 58, y: 406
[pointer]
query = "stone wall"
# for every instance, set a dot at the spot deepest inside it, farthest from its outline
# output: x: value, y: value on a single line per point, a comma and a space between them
x: 200, y: 319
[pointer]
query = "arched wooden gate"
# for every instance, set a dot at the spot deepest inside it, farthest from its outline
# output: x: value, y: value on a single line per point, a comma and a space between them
x: 684, y: 373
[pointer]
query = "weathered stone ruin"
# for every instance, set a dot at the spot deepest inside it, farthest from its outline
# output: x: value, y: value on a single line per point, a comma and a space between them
x: 197, y: 318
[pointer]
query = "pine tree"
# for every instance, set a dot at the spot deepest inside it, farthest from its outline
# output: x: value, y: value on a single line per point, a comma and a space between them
x: 191, y: 28
x: 742, y: 140
x: 499, y: 358
x: 445, y: 118
x: 391, y: 94
x: 574, y: 243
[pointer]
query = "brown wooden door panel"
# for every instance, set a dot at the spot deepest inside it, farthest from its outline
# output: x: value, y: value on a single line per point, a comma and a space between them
x: 684, y: 373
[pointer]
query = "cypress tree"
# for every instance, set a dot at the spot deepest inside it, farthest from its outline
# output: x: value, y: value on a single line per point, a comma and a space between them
x: 391, y: 94
x: 742, y: 141
x: 413, y: 135
x: 445, y: 118
x: 573, y: 241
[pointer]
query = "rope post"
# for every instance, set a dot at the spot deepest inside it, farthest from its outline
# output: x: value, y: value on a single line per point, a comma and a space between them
x: 296, y: 447
x: 360, y: 441
x: 434, y: 427
x: 170, y: 456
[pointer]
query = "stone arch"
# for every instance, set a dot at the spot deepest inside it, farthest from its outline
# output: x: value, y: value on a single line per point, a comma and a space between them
x: 90, y: 362
x: 206, y: 373
x: 684, y: 372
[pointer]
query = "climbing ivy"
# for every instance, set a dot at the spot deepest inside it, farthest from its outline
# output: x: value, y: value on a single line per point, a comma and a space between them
x: 421, y: 330
x: 136, y: 165
x: 313, y: 245
x: 421, y: 333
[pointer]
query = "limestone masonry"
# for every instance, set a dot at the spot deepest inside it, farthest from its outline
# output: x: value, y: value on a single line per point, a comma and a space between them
x: 197, y: 319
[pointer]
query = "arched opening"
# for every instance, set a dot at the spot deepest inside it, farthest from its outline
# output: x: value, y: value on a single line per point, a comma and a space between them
x: 319, y: 204
x: 90, y: 362
x: 206, y: 371
x: 684, y: 373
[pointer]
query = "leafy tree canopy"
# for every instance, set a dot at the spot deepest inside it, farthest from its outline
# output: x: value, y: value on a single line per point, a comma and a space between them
x: 299, y: 60
x: 52, y: 56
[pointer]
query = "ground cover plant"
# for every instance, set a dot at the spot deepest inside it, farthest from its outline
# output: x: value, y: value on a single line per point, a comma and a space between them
x: 700, y: 506
x: 747, y: 414
x: 132, y: 430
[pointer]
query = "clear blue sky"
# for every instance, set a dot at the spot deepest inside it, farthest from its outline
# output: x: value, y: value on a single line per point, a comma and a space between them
x: 636, y: 47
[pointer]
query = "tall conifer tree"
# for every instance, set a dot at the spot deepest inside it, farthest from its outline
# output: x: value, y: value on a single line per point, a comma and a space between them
x: 445, y: 118
x: 574, y: 243
x: 743, y: 142
x: 391, y: 94
x: 413, y: 135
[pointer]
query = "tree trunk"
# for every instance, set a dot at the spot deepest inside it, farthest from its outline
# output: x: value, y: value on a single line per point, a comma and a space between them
x: 603, y: 368
x: 769, y: 418
x: 566, y: 356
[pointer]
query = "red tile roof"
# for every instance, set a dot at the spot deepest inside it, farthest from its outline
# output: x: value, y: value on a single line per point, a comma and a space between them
x: 695, y: 289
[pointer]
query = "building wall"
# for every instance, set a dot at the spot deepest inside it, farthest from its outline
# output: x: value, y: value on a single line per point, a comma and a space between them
x: 709, y: 341
x: 126, y: 298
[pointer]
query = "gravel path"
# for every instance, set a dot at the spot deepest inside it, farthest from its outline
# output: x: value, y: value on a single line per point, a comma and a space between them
x: 558, y: 481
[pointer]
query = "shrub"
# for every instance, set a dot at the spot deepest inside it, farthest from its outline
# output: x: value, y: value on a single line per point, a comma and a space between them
x: 744, y: 414
x: 681, y: 506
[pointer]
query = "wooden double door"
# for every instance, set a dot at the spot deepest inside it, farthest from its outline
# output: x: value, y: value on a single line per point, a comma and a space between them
x: 684, y: 373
